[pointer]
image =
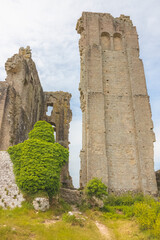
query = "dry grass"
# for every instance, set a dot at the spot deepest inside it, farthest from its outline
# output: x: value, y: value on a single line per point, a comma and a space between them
x: 27, y: 224
x: 120, y: 229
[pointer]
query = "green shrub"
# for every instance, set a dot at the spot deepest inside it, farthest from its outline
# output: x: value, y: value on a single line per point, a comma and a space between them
x: 118, y: 212
x: 38, y: 161
x: 152, y: 203
x: 145, y: 214
x: 95, y: 188
x: 144, y: 208
x: 156, y: 227
x: 109, y: 209
x: 148, y: 215
x: 122, y: 206
x: 128, y: 211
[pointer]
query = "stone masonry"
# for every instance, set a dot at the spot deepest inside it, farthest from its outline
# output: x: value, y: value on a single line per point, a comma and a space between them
x: 23, y: 103
x: 10, y: 195
x: 117, y: 137
x: 21, y: 99
x: 60, y: 118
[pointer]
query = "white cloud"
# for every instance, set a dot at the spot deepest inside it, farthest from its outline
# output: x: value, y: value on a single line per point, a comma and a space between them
x: 48, y: 26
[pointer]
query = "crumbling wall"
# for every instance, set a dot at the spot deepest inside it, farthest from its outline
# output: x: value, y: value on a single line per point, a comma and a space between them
x: 21, y: 99
x: 60, y: 119
x: 117, y: 137
x: 10, y: 195
x: 23, y: 103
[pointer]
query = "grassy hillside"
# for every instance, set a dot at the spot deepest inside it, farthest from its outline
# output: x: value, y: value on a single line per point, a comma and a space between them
x: 27, y: 224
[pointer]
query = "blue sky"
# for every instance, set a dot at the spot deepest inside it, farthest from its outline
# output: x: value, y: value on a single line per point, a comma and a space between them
x: 48, y: 27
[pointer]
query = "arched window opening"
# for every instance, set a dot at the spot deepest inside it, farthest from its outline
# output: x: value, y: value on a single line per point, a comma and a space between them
x: 117, y: 41
x: 105, y: 41
x: 49, y: 110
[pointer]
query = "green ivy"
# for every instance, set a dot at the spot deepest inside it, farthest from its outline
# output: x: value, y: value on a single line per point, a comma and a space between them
x: 39, y: 160
x: 42, y: 131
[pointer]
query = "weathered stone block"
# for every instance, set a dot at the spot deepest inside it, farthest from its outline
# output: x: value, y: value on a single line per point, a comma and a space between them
x: 71, y: 196
x: 41, y: 204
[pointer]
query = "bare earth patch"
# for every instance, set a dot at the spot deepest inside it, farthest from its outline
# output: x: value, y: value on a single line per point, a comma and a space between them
x: 103, y: 230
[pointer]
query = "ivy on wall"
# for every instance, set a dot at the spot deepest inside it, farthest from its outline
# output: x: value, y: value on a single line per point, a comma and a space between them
x: 38, y: 161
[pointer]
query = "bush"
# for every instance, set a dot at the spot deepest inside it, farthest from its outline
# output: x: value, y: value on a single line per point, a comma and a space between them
x: 145, y: 214
x: 148, y: 215
x: 121, y: 206
x: 95, y: 188
x: 118, y: 212
x: 156, y: 227
x: 38, y: 161
x: 109, y: 209
x: 128, y: 211
x: 144, y: 208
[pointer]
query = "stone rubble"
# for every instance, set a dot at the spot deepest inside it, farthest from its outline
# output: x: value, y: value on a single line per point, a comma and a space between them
x: 41, y: 204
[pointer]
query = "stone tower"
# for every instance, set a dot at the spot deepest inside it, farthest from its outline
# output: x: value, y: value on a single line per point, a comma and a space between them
x: 117, y: 138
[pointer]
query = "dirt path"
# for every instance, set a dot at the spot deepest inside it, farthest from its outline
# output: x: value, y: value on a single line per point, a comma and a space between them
x: 101, y: 227
x: 103, y: 230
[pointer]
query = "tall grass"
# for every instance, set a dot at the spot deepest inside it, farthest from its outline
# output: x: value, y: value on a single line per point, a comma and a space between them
x: 145, y: 209
x: 27, y: 224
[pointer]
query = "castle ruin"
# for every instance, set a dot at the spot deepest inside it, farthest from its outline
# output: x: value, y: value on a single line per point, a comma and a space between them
x: 117, y: 135
x: 23, y: 103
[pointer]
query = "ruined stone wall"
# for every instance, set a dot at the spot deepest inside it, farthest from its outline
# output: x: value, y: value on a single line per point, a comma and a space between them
x: 23, y: 103
x: 10, y: 195
x: 60, y: 118
x: 21, y: 99
x: 117, y: 139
